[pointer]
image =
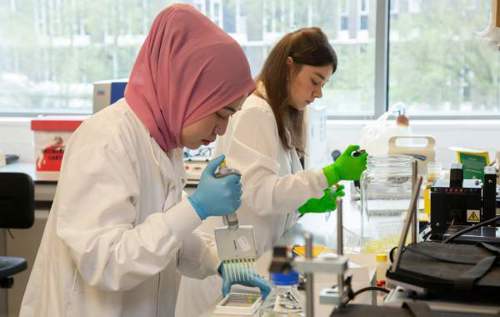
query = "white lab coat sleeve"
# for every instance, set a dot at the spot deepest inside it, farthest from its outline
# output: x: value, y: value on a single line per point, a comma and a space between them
x: 253, y: 148
x: 198, y: 257
x: 96, y: 220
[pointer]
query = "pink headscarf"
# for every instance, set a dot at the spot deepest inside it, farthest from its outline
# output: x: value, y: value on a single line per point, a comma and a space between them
x: 187, y: 69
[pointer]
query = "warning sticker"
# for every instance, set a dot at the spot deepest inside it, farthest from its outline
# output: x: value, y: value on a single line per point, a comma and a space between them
x: 473, y: 215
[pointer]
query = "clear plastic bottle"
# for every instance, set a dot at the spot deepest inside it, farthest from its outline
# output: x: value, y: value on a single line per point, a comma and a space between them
x: 284, y: 299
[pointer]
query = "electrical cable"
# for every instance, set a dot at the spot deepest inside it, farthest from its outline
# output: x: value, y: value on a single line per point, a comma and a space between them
x: 461, y: 232
x: 427, y: 235
x: 351, y: 296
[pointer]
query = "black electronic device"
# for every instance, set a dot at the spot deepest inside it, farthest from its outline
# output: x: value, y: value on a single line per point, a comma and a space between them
x: 454, y: 205
x: 489, y: 193
x: 459, y: 202
x: 482, y: 234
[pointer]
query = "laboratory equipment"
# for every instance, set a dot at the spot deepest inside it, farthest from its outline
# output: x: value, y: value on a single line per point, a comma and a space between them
x: 374, y: 137
x: 449, y: 271
x: 284, y: 299
x: 460, y: 202
x: 308, y: 265
x: 236, y: 244
x: 239, y: 304
x: 439, y: 307
x: 420, y: 147
x: 386, y: 188
x: 382, y: 266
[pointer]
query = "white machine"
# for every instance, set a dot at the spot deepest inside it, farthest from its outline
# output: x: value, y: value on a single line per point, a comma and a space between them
x: 107, y: 92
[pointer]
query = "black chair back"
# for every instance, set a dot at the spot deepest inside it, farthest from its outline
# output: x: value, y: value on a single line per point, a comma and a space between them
x: 17, y: 201
x: 17, y: 210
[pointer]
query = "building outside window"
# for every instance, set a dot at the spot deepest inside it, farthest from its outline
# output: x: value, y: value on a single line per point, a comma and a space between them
x: 52, y: 50
x: 439, y: 65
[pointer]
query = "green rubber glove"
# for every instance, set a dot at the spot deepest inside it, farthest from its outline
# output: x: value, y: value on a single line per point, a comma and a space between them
x: 324, y: 204
x: 346, y: 167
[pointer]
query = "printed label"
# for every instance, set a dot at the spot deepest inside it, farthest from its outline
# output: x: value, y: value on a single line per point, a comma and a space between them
x: 473, y: 215
x: 51, y: 155
x: 243, y: 244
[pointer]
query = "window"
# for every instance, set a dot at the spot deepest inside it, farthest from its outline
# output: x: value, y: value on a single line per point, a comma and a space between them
x: 344, y: 15
x: 363, y: 15
x: 59, y: 48
x: 394, y: 8
x: 439, y: 65
x: 52, y: 51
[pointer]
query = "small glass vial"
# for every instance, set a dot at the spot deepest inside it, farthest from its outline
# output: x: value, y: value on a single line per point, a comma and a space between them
x: 284, y: 299
x: 382, y: 266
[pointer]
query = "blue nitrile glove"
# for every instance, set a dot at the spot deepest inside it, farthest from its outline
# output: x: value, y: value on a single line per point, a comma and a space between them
x: 347, y: 166
x: 216, y: 196
x: 324, y: 204
x: 250, y: 279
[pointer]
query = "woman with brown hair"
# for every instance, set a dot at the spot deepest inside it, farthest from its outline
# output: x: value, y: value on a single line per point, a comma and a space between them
x: 265, y: 142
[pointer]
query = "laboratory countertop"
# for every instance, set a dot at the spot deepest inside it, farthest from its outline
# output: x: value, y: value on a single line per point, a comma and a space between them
x: 28, y: 168
x: 323, y: 226
x: 44, y: 189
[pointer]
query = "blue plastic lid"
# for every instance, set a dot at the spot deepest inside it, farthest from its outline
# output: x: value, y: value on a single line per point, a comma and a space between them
x: 290, y: 278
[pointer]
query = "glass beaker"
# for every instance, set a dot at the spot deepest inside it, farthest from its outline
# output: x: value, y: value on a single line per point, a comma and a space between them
x: 386, y: 187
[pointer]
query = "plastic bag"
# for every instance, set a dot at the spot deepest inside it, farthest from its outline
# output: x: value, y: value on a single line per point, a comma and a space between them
x: 375, y: 136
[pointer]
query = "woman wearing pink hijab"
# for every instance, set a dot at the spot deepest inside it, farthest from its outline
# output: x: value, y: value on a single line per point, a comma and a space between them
x: 119, y: 232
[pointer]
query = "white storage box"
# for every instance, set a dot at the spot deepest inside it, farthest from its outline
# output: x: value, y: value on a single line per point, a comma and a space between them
x: 50, y: 138
x: 107, y: 92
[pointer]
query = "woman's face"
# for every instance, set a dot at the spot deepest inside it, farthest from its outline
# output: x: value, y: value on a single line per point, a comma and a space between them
x: 205, y: 130
x: 306, y: 83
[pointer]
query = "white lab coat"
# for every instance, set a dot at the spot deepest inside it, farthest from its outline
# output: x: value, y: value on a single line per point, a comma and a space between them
x: 274, y: 186
x: 119, y: 233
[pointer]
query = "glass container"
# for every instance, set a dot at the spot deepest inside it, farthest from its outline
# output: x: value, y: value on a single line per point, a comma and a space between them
x: 386, y: 187
x: 284, y: 299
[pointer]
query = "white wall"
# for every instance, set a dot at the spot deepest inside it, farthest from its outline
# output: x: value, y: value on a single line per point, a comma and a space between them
x: 17, y: 137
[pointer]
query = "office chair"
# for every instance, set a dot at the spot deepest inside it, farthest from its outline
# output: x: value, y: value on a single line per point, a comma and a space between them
x: 17, y: 210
